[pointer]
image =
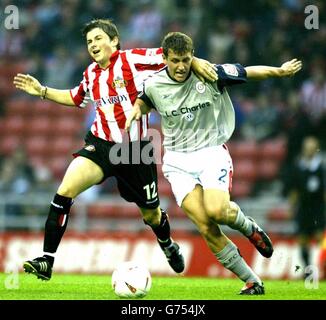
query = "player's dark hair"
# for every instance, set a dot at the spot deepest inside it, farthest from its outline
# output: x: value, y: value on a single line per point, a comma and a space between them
x: 179, y: 42
x: 106, y: 25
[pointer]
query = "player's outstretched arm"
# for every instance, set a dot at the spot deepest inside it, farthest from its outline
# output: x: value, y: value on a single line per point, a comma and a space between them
x: 33, y: 87
x: 204, y: 69
x: 139, y: 108
x: 287, y: 69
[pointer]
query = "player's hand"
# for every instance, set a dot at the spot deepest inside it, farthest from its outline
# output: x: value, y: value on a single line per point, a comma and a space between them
x: 290, y: 68
x: 204, y: 70
x: 28, y: 84
x: 135, y: 115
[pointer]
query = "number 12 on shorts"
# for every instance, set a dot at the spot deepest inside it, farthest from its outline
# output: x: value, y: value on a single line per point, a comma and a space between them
x: 151, y: 192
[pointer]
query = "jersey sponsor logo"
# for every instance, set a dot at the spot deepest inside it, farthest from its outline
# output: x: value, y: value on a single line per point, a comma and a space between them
x: 187, y: 110
x: 230, y: 69
x: 200, y: 87
x: 110, y: 100
x: 189, y: 116
x: 119, y: 83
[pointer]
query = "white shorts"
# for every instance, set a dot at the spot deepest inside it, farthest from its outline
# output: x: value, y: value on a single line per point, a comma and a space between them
x: 209, y: 167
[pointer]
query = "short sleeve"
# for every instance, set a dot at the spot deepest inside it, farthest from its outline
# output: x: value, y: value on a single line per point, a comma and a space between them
x: 231, y: 74
x: 145, y: 96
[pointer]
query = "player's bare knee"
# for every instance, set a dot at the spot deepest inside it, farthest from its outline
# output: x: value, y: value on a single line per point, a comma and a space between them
x: 205, y: 229
x: 232, y: 212
x: 210, y: 231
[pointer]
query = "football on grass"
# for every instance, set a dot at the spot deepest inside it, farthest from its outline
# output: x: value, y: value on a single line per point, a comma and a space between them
x: 131, y: 280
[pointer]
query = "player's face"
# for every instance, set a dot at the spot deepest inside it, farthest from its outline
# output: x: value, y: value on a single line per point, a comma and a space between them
x: 100, y: 46
x: 178, y: 65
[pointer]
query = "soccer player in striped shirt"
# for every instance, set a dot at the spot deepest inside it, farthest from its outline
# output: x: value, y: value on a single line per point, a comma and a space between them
x: 197, y: 120
x: 112, y: 83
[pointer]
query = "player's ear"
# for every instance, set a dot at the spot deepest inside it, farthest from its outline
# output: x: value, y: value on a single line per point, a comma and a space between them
x: 115, y: 41
x: 164, y: 58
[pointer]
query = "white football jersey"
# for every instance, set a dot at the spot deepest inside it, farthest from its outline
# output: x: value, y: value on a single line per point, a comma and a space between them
x: 194, y: 114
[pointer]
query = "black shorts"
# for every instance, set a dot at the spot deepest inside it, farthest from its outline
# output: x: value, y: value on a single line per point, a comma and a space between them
x: 310, y: 219
x: 132, y: 164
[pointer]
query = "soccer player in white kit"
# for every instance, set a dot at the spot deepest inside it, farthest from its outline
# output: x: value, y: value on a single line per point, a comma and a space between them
x: 197, y: 119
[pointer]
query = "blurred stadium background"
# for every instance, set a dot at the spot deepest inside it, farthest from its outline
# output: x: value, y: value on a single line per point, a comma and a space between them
x: 38, y: 137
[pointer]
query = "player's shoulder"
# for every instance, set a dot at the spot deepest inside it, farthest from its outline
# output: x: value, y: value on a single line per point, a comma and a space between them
x: 157, y: 77
x: 91, y: 67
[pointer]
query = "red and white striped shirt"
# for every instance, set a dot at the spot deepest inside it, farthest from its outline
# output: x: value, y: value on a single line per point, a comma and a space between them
x: 114, y: 90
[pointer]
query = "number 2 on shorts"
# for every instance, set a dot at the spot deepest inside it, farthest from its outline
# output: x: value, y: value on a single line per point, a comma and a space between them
x: 224, y: 172
x: 151, y: 195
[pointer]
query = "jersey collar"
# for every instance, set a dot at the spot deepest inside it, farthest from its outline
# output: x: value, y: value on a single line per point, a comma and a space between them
x: 167, y: 72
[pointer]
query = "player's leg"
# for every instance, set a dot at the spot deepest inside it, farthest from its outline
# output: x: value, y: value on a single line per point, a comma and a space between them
x: 307, y: 220
x: 138, y: 183
x: 223, y: 211
x: 303, y: 241
x: 223, y: 248
x: 81, y: 174
x: 158, y: 220
x: 216, y: 179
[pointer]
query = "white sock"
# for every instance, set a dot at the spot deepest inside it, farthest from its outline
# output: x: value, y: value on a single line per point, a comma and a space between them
x: 242, y: 223
x: 231, y: 259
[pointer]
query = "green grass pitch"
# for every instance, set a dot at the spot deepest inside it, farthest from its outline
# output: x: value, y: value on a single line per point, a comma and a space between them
x: 98, y: 287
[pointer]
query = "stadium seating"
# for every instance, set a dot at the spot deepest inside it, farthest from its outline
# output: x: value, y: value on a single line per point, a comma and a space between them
x: 273, y: 150
x: 58, y: 165
x: 279, y: 214
x: 41, y: 125
x: 19, y: 106
x: 9, y: 68
x: 244, y: 150
x: 49, y: 132
x: 14, y: 125
x: 37, y: 146
x: 241, y: 188
x: 64, y: 145
x: 268, y: 169
x: 8, y: 143
x: 164, y: 187
x: 175, y: 211
x: 245, y: 169
x: 113, y: 211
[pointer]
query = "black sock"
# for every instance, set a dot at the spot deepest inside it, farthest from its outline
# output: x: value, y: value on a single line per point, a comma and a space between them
x: 305, y: 255
x: 50, y: 259
x: 162, y: 231
x: 56, y: 223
